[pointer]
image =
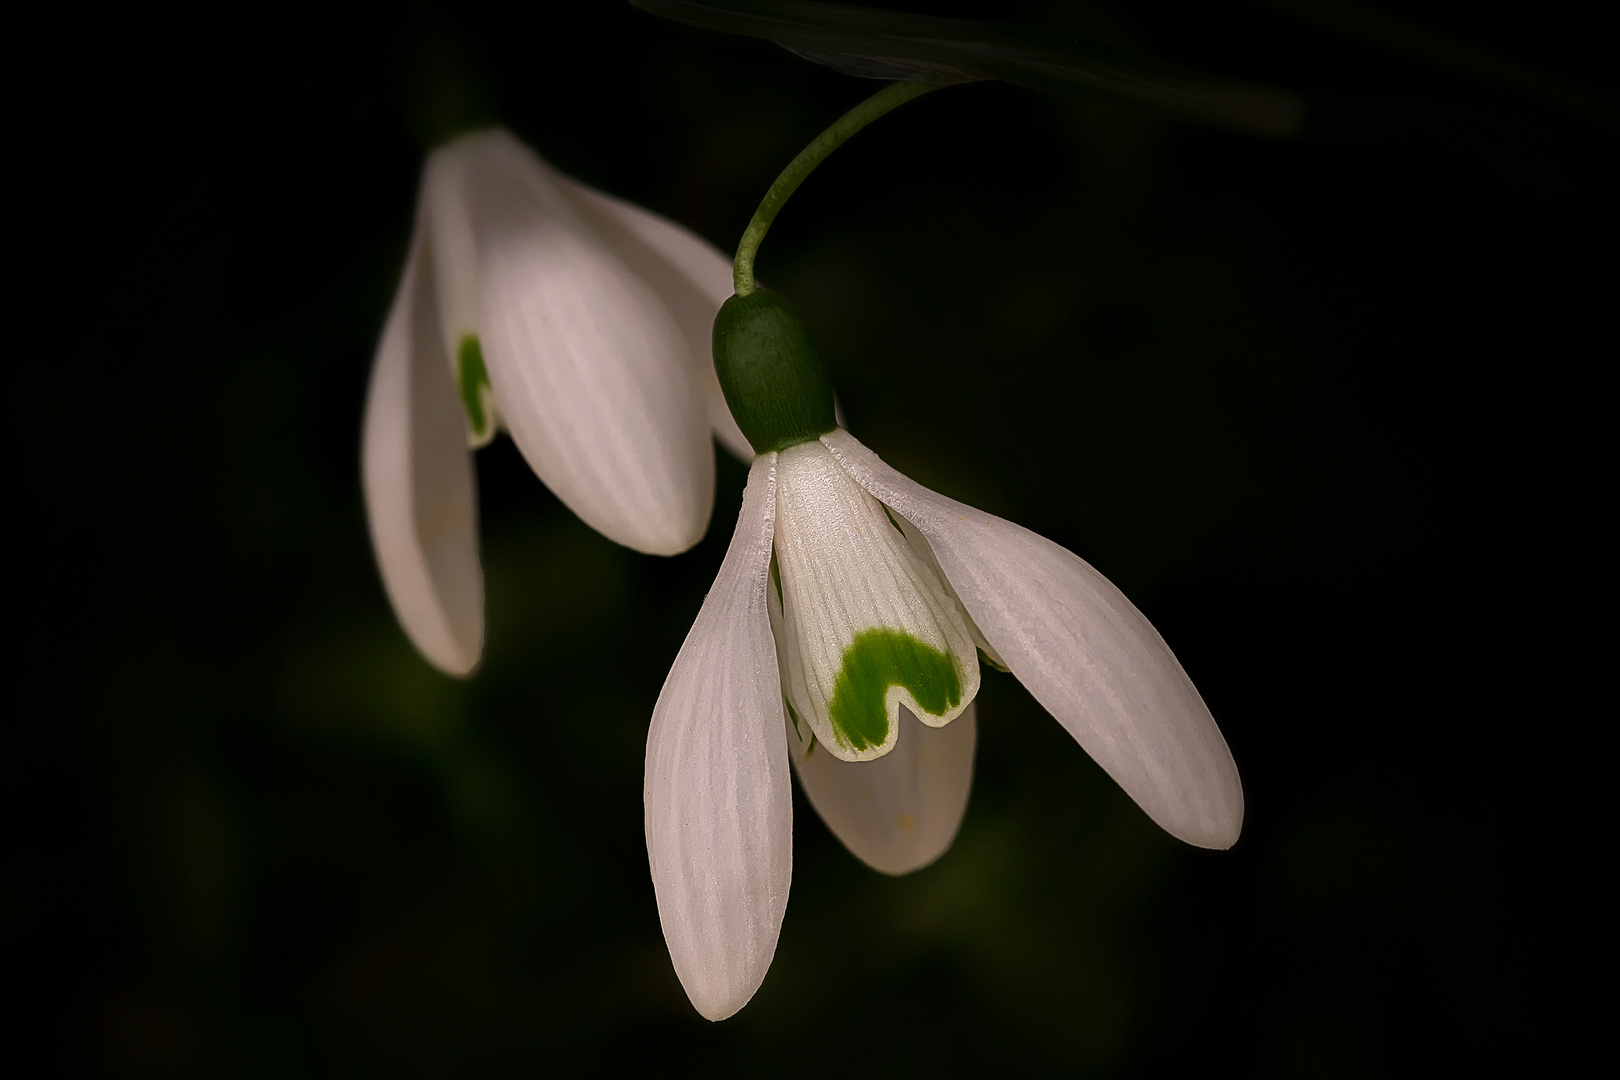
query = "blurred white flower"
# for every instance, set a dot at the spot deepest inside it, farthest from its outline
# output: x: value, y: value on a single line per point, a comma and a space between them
x: 578, y: 322
x: 851, y: 604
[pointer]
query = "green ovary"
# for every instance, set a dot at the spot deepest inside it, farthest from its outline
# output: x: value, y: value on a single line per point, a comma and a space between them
x: 875, y: 661
x: 473, y: 380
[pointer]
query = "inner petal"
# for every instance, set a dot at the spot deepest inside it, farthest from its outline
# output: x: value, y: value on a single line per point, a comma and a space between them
x: 866, y: 626
x: 454, y: 251
x: 919, y: 545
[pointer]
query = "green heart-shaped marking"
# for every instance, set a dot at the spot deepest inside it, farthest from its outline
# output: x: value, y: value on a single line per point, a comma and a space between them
x: 875, y: 661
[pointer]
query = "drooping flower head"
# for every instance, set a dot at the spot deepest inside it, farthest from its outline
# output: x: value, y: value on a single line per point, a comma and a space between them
x: 577, y: 322
x: 843, y: 634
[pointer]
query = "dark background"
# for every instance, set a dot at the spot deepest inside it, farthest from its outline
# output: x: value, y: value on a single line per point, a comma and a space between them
x: 1323, y: 407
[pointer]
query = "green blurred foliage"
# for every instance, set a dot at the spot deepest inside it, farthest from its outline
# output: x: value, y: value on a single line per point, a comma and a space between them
x: 1316, y: 405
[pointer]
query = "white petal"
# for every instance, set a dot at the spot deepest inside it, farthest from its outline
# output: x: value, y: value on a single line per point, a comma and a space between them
x: 418, y: 478
x: 719, y: 803
x: 1082, y: 649
x: 691, y: 275
x: 452, y: 243
x: 454, y: 253
x: 901, y: 811
x: 866, y: 626
x: 589, y: 368
x: 919, y: 544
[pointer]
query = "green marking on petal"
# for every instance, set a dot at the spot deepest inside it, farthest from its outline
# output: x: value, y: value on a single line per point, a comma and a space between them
x: 890, y: 515
x: 875, y: 661
x: 473, y: 378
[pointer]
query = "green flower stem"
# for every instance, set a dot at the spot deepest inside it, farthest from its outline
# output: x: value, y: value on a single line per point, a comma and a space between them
x: 890, y: 97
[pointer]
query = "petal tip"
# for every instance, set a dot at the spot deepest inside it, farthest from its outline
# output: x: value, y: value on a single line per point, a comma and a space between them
x: 460, y: 667
x: 722, y: 1008
x: 1216, y: 832
x: 1217, y: 841
x: 661, y: 543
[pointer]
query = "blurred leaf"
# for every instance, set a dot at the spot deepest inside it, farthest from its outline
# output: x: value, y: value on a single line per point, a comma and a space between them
x: 1442, y: 51
x: 875, y: 44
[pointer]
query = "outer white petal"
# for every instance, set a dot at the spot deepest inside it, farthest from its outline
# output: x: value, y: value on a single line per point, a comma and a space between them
x: 417, y: 473
x: 691, y: 275
x: 899, y: 812
x: 590, y: 370
x: 719, y: 802
x: 844, y: 570
x: 1082, y: 649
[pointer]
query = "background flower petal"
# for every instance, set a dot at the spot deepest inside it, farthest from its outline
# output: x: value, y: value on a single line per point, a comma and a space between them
x: 899, y: 812
x: 421, y: 502
x: 719, y: 804
x: 590, y: 370
x: 691, y: 275
x: 452, y: 244
x: 453, y: 258
x: 1082, y: 649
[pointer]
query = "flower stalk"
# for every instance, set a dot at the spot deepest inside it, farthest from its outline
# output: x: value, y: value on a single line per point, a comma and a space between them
x: 889, y: 98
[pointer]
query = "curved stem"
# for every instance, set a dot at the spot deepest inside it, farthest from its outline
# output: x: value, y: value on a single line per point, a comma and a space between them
x: 890, y: 97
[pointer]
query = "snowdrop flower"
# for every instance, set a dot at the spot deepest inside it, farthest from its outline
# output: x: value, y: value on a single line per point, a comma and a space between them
x: 574, y: 320
x: 843, y: 633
